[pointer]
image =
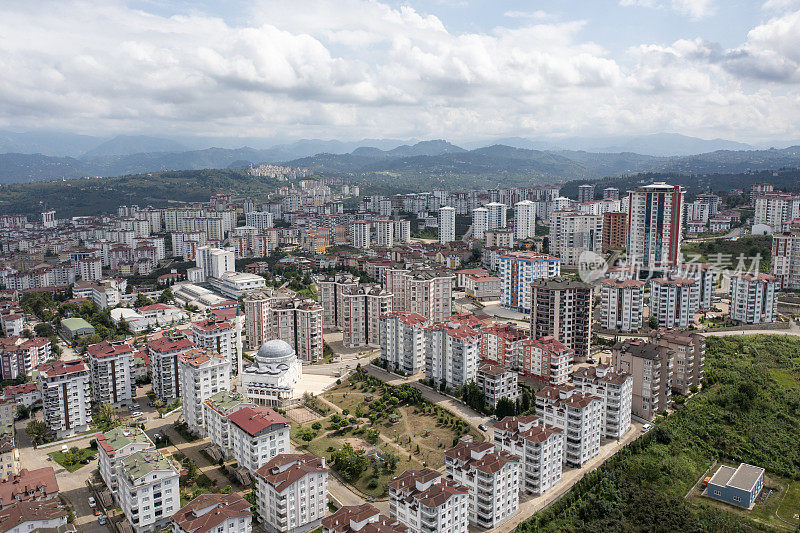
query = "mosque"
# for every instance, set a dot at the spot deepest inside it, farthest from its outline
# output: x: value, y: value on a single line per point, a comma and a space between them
x: 270, y: 381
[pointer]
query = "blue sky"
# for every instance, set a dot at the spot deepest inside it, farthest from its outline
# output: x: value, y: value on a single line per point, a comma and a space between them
x: 451, y: 69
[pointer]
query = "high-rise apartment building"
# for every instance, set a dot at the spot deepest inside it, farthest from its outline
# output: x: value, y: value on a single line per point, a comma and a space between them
x: 753, y: 298
x: 562, y: 309
x: 480, y: 222
x: 518, y: 270
x: 362, y: 234
x: 574, y: 232
x: 66, y: 396
x: 651, y: 368
x: 384, y: 233
x: 451, y: 353
x: 292, y: 492
x: 540, y: 446
x: 202, y: 374
x: 110, y: 364
x: 524, y: 220
x: 655, y: 225
x: 579, y: 415
x: 426, y: 501
x: 447, y: 224
x: 785, y: 259
x: 674, y: 302
x: 164, y: 352
x: 425, y: 291
x: 496, y: 215
x: 585, y: 193
x: 621, y: 304
x: 298, y: 322
x: 615, y: 230
x: 615, y: 389
x: 687, y: 351
x: 403, y: 341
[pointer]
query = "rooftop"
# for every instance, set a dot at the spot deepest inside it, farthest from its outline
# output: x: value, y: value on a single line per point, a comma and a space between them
x: 206, y: 512
x: 121, y: 436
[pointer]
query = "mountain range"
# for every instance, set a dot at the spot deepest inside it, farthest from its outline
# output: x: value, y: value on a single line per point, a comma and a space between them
x: 425, y: 163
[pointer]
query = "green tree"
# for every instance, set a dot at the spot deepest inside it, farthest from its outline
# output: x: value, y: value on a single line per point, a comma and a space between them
x: 166, y: 296
x: 105, y: 417
x: 349, y: 462
x: 141, y: 300
x: 44, y: 330
x: 505, y: 407
x: 36, y: 430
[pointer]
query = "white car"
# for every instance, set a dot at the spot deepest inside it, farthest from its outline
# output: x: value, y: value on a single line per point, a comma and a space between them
x: 135, y: 406
x: 137, y: 413
x: 92, y: 502
x: 646, y: 428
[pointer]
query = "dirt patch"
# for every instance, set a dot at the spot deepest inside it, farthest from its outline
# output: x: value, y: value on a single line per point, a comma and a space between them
x: 301, y: 415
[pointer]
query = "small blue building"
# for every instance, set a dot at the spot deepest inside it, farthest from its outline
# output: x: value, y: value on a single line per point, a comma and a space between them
x: 737, y: 486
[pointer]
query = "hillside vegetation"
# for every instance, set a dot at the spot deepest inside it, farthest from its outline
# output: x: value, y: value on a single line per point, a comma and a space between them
x: 749, y: 412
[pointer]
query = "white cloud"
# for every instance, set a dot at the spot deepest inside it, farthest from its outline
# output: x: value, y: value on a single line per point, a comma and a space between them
x: 533, y: 15
x: 694, y: 9
x: 361, y: 68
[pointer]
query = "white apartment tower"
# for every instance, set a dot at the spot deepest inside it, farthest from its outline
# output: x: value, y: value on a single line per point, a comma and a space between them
x: 148, y: 490
x: 480, y: 222
x: 402, y: 230
x: 579, y: 415
x: 452, y: 351
x: 213, y: 262
x: 110, y: 364
x: 491, y: 477
x: 573, y: 232
x: 621, y: 304
x: 753, y: 298
x: 447, y: 224
x: 403, y: 341
x: 426, y: 501
x: 674, y: 301
x: 497, y: 215
x: 524, y: 220
x: 615, y: 389
x: 540, y: 447
x: 362, y: 238
x: 292, y: 492
x: 384, y: 233
x: 202, y: 374
x: 66, y: 396
x: 115, y: 445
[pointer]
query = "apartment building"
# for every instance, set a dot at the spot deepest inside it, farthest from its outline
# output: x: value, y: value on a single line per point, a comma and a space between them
x: 257, y: 434
x: 202, y: 374
x: 655, y: 225
x: 149, y: 493
x: 574, y: 232
x: 615, y: 230
x: 66, y: 396
x: 221, y: 336
x: 164, y: 352
x: 615, y: 389
x: 214, y: 513
x: 213, y: 263
x: 674, y: 302
x: 497, y: 215
x: 706, y: 277
x: 426, y: 292
x: 364, y: 518
x: 774, y: 209
x: 499, y: 344
x: 650, y: 366
x: 518, y: 270
x: 297, y: 322
x: 402, y: 230
x: 499, y: 238
x: 524, y: 220
x: 361, y: 307
x: 621, y: 304
x: 562, y: 309
x: 115, y: 445
x: 292, y: 492
x: 215, y: 416
x: 545, y: 360
x: 403, y: 341
x: 688, y: 352
x: 362, y: 234
x: 579, y: 415
x: 491, y: 477
x: 426, y: 501
x: 331, y: 287
x: 495, y: 382
x: 110, y: 366
x: 451, y: 353
x: 480, y: 222
x: 753, y: 298
x: 539, y: 446
x: 384, y: 233
x: 585, y: 193
x: 447, y: 224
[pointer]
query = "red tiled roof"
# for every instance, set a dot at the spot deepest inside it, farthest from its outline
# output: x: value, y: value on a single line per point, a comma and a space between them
x: 206, y: 512
x: 167, y: 344
x: 339, y: 522
x: 286, y: 469
x: 58, y: 368
x: 253, y: 420
x: 108, y: 349
x: 42, y: 482
x: 211, y: 325
x: 22, y: 388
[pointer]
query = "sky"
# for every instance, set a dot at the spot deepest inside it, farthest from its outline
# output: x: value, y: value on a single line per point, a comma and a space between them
x: 352, y: 69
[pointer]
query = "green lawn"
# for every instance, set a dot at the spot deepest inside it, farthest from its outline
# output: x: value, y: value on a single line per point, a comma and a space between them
x: 61, y: 458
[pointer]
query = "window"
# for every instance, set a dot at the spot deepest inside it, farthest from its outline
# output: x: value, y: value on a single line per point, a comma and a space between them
x: 717, y: 493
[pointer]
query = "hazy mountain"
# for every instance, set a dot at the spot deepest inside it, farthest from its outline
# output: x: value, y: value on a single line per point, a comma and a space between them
x: 46, y: 143
x: 134, y: 144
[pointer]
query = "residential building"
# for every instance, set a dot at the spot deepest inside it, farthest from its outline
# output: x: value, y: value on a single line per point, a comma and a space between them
x: 785, y: 259
x: 615, y: 389
x: 403, y: 342
x: 426, y: 292
x: 23, y: 395
x: 257, y: 434
x: 273, y: 316
x: 221, y: 336
x: 499, y: 344
x: 615, y: 230
x: 480, y: 222
x: 736, y: 486
x: 331, y: 287
x: 9, y: 455
x: 579, y: 415
x: 217, y: 424
x: 655, y: 225
x: 545, y: 360
x: 110, y: 365
x: 674, y: 302
x: 585, y: 193
x: 202, y: 374
x: 497, y: 215
x: 611, y: 193
x: 496, y: 382
x: 164, y: 352
x: 361, y: 307
x: 66, y: 396
x: 753, y: 298
x: 292, y: 492
x: 384, y: 233
x: 29, y: 486
x: 706, y: 277
x: 774, y: 209
x: 362, y: 234
x: 650, y: 366
x: 500, y: 238
x: 49, y: 515
x: 687, y: 352
x: 402, y: 230
x: 518, y: 270
x: 214, y: 513
x: 364, y: 518
x: 148, y: 493
x: 562, y: 309
x: 259, y: 219
x: 491, y: 477
x: 539, y: 446
x: 621, y: 304
x: 115, y: 445
x: 451, y: 353
x: 426, y: 501
x: 213, y: 263
x: 524, y: 220
x: 447, y: 224
x: 574, y: 232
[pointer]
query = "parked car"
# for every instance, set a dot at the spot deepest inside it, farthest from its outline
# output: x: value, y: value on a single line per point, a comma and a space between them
x: 646, y: 428
x: 137, y: 413
x: 98, y: 512
x: 481, y: 427
x: 64, y: 448
x: 591, y: 360
x: 92, y: 502
x: 85, y: 461
x: 101, y: 520
x: 135, y: 406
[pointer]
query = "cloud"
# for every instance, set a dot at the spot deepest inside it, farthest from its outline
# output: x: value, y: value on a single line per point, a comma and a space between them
x: 533, y: 15
x: 694, y: 9
x: 362, y: 68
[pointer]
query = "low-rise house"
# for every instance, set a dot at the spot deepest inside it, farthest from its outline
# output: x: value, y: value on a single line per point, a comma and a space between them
x: 737, y: 486
x: 214, y: 513
x: 292, y: 492
x: 29, y: 486
x: 24, y: 394
x: 9, y: 457
x: 49, y: 515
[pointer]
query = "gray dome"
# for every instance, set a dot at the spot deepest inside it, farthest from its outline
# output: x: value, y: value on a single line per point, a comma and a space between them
x: 275, y: 349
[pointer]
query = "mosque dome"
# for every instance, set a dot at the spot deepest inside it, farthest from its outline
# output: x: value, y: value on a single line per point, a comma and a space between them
x: 275, y: 349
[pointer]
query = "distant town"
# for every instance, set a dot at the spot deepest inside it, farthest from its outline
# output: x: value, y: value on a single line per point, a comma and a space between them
x: 442, y: 361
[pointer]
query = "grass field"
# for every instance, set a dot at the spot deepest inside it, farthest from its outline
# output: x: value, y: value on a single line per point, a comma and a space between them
x: 81, y: 454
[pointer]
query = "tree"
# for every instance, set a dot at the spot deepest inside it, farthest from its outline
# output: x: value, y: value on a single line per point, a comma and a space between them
x: 36, y: 430
x: 166, y: 296
x: 105, y: 417
x: 653, y: 323
x: 141, y: 300
x: 23, y: 412
x: 349, y: 462
x: 505, y: 407
x: 44, y: 330
x: 307, y: 435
